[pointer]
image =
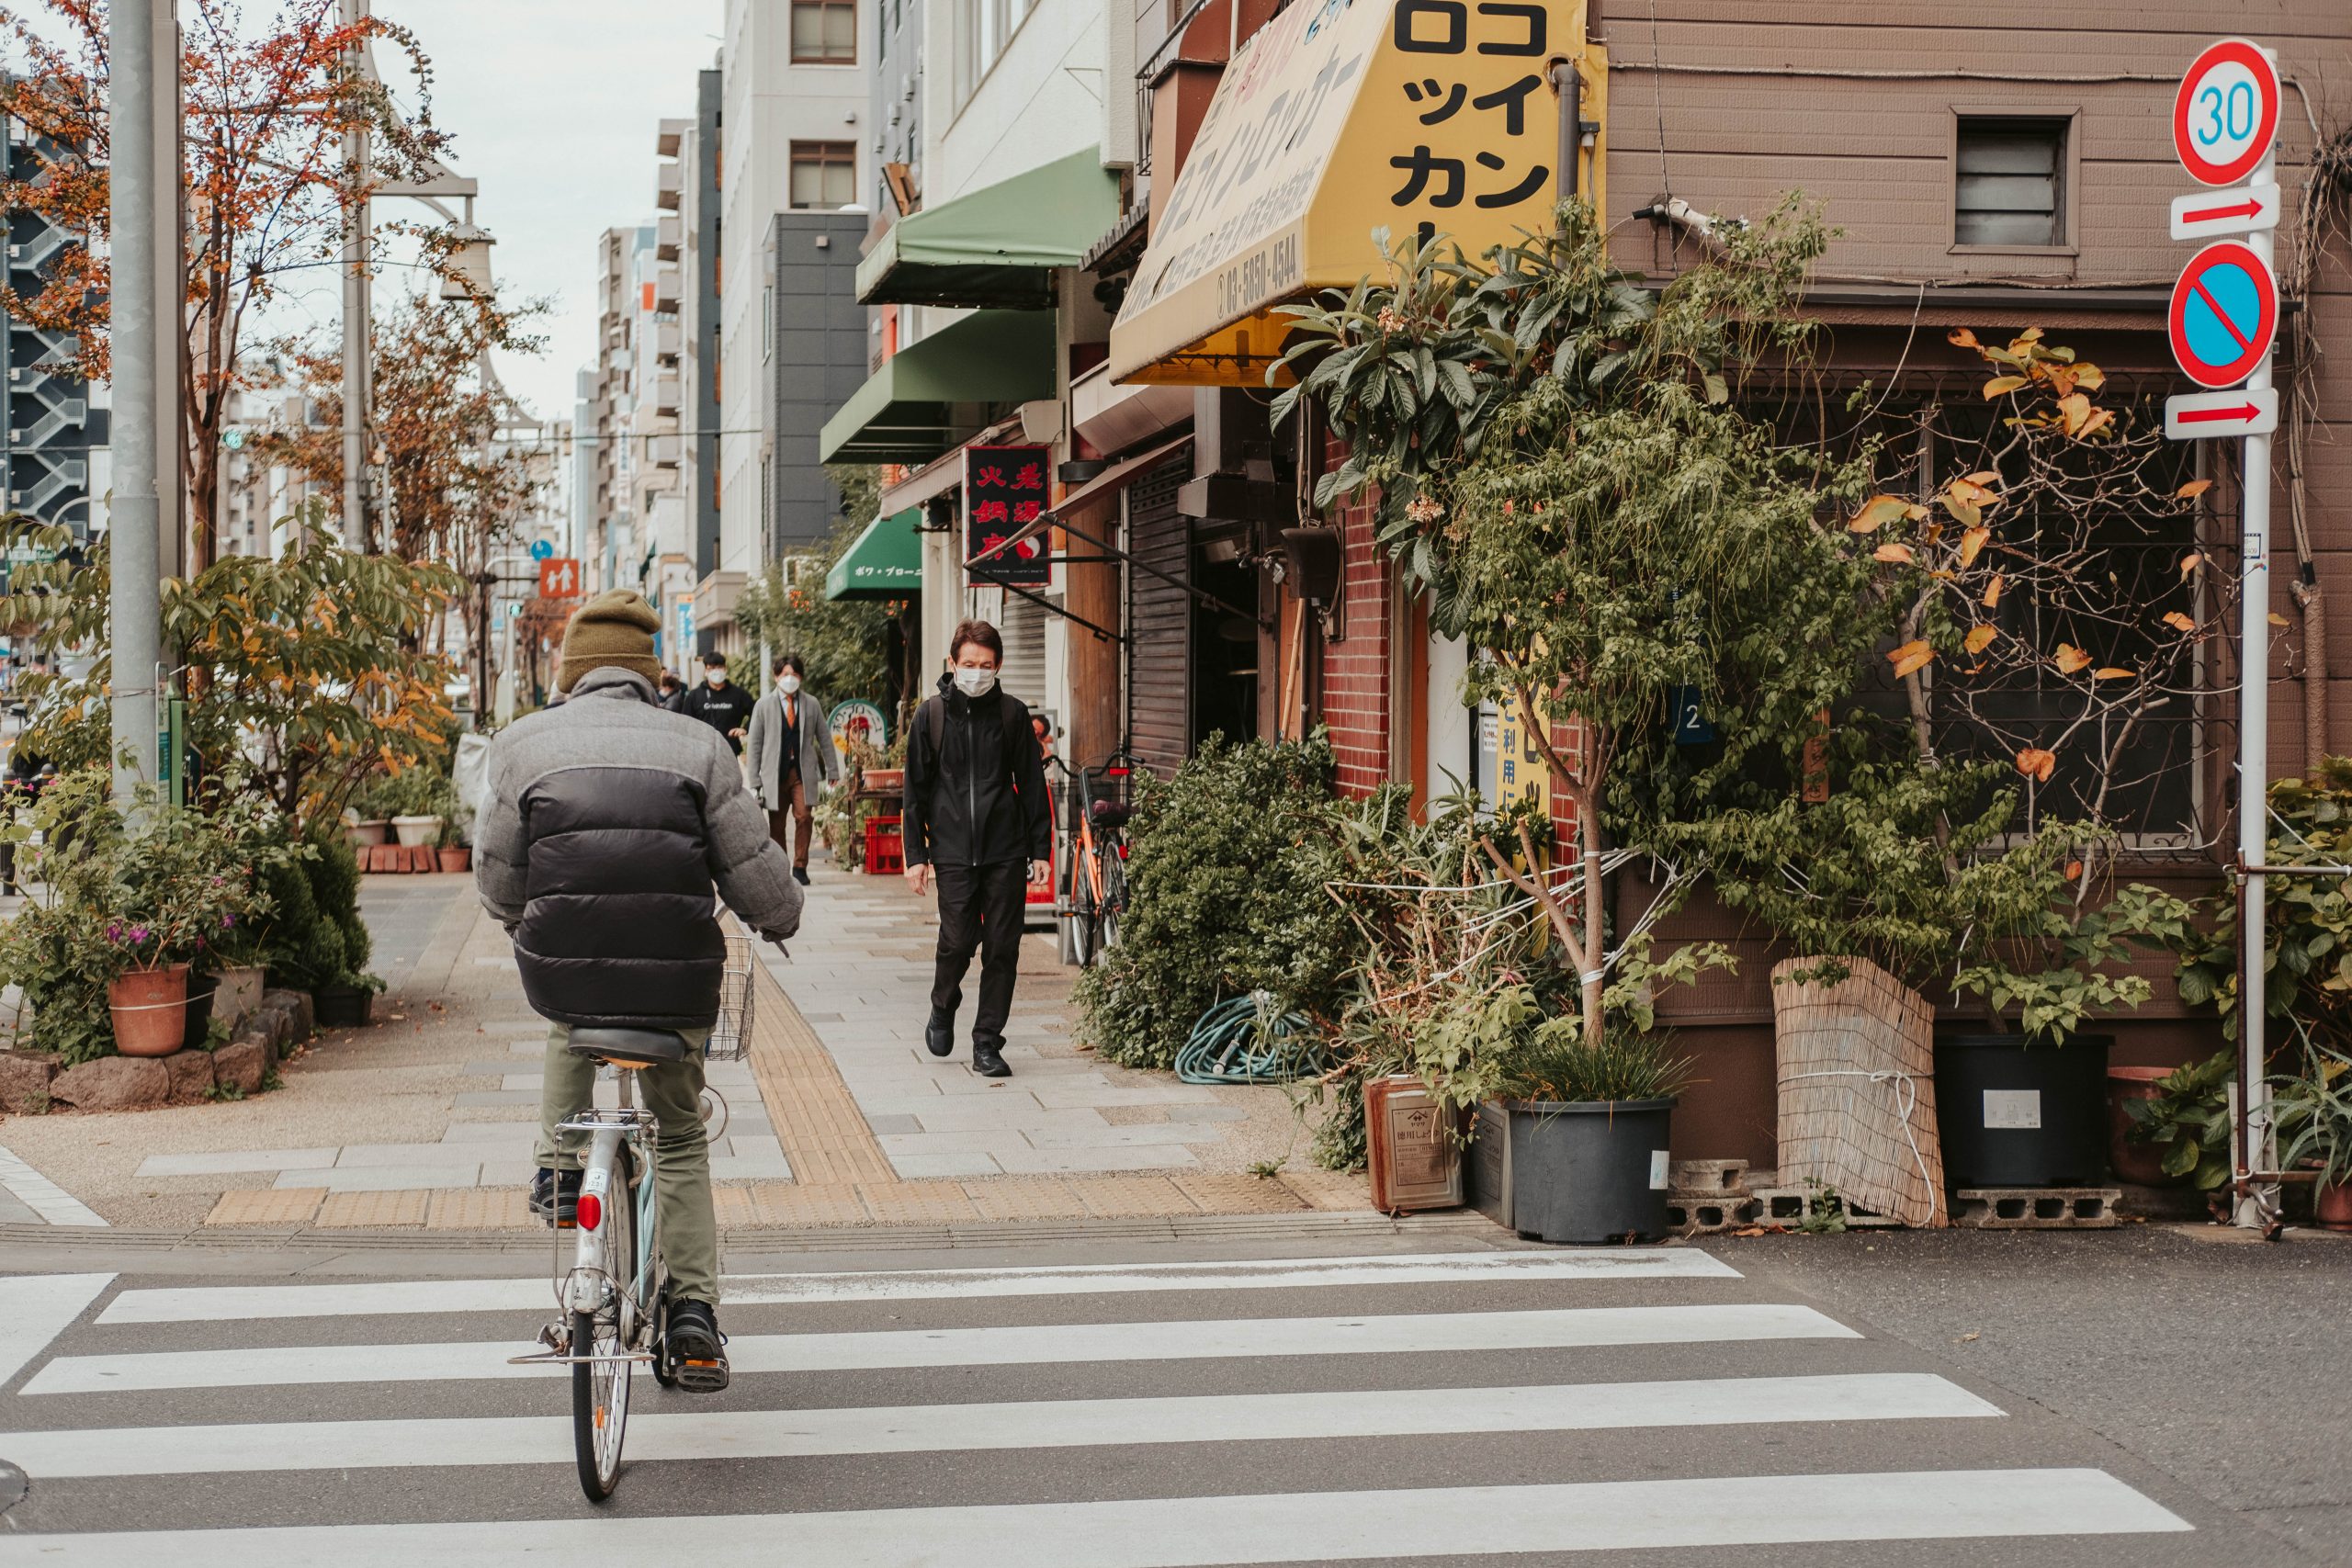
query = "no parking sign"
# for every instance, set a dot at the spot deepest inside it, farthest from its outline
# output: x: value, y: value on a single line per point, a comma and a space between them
x: 2224, y: 314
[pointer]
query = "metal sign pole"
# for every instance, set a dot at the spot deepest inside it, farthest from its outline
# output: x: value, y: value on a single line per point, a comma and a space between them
x: 2255, y: 1203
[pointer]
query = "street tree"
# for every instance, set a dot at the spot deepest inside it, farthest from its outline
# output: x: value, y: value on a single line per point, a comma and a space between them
x: 268, y: 98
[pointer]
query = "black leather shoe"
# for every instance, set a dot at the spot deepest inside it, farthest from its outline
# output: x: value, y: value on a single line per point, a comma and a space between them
x: 939, y: 1034
x: 800, y: 875
x: 555, y: 1197
x: 697, y: 1351
x: 989, y: 1061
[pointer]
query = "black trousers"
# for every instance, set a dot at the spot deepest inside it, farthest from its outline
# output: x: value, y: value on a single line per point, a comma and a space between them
x: 980, y: 910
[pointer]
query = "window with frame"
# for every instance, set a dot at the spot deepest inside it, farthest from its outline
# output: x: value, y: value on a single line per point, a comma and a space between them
x: 2009, y: 182
x: 824, y: 32
x: 824, y: 174
x: 983, y: 29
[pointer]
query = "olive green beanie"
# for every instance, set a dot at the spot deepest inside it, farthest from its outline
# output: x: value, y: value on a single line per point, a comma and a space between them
x: 612, y: 629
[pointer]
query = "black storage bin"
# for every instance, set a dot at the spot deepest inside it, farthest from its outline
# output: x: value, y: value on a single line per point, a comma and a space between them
x: 2012, y: 1114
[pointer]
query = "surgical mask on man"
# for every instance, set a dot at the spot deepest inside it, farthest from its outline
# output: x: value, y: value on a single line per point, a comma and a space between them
x: 788, y: 683
x: 974, y: 683
x: 717, y: 677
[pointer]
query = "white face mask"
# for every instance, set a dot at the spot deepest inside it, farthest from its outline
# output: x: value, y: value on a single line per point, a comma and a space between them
x: 974, y: 683
x: 717, y: 677
x: 788, y: 683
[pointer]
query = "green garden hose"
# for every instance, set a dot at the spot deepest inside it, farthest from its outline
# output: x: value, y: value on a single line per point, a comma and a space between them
x: 1245, y: 1041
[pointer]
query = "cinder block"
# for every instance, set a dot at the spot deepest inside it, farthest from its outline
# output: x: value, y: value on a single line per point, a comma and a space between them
x: 1706, y: 1213
x: 1782, y: 1205
x: 2037, y: 1207
x: 1718, y: 1176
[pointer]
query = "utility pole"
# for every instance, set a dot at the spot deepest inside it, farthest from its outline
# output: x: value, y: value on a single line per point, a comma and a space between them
x: 355, y: 344
x: 135, y: 598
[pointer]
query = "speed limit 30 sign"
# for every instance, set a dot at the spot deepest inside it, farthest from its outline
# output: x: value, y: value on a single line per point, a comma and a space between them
x: 2226, y: 113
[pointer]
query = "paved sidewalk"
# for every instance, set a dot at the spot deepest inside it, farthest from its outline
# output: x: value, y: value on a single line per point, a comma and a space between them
x: 838, y: 1118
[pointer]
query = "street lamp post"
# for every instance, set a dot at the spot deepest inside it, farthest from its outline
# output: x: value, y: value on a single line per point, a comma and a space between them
x: 135, y: 591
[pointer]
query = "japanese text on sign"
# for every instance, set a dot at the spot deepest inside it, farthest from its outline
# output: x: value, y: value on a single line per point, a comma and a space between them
x: 1004, y: 491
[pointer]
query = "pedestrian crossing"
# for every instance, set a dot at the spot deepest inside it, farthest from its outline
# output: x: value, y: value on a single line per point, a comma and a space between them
x: 1443, y: 1407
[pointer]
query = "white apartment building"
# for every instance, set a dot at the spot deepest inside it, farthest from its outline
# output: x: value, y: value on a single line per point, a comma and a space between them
x: 793, y: 99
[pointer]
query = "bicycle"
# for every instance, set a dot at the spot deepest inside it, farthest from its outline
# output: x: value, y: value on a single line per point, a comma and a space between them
x: 1095, y: 868
x: 615, y: 1297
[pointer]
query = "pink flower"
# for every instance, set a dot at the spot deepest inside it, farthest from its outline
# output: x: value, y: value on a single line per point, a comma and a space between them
x: 138, y: 935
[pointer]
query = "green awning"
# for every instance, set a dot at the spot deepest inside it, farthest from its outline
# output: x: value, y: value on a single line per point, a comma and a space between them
x: 934, y: 394
x: 884, y: 563
x: 993, y: 246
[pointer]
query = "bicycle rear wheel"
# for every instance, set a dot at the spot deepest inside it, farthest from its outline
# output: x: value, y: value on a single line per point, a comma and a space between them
x: 1083, y: 943
x: 600, y: 1388
x: 1115, y: 900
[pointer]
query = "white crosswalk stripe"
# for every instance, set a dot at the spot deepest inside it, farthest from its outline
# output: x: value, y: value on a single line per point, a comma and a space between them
x: 1426, y: 1333
x: 1196, y: 1532
x: 1673, y: 1352
x: 241, y: 1302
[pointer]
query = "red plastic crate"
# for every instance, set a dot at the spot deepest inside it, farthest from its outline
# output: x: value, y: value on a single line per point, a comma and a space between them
x: 885, y: 851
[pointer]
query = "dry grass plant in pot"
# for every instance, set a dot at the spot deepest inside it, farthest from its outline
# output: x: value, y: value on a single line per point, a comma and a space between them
x: 1590, y: 1125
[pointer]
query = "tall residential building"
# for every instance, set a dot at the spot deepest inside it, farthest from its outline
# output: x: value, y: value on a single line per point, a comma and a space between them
x: 50, y: 427
x: 793, y: 99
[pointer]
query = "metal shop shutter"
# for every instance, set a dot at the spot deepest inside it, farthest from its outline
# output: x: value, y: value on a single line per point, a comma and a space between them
x: 1159, y: 618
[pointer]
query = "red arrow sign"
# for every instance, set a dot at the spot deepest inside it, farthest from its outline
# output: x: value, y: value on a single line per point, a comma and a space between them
x: 2207, y: 214
x: 2237, y: 414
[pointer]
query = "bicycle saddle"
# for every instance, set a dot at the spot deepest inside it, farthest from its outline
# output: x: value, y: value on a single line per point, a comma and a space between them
x: 628, y: 1047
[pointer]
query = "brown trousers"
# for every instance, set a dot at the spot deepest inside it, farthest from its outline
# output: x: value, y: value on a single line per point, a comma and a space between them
x: 793, y: 811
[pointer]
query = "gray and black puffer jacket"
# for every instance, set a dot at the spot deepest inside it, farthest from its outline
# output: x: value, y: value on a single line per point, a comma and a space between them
x: 609, y: 822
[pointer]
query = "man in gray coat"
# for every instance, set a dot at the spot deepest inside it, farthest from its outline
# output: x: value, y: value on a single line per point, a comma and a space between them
x: 792, y: 751
x: 609, y: 823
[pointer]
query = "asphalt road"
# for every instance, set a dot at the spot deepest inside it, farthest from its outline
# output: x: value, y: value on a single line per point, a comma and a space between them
x: 2132, y: 1397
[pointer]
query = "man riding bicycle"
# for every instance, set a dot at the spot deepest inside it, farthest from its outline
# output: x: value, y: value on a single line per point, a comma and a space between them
x: 609, y: 819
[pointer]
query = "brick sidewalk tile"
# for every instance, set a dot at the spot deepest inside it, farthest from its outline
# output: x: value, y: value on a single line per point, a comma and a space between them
x: 1130, y: 1196
x: 1334, y: 1190
x: 481, y: 1209
x: 1220, y: 1194
x: 918, y: 1202
x: 791, y: 1204
x: 1025, y: 1197
x: 391, y: 1207
x: 266, y: 1206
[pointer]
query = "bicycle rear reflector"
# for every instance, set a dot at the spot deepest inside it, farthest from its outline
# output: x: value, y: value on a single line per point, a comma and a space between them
x: 591, y: 1210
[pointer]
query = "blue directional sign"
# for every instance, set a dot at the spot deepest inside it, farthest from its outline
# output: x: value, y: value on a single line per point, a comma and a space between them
x: 2224, y: 314
x: 541, y: 550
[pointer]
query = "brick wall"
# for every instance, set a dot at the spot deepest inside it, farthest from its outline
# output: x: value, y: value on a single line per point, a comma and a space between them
x: 1356, y: 677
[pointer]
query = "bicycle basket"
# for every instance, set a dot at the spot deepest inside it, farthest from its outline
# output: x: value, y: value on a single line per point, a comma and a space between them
x: 732, y: 1033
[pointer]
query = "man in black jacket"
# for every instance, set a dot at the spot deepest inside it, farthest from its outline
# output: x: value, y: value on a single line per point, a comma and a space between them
x: 721, y: 703
x: 975, y: 814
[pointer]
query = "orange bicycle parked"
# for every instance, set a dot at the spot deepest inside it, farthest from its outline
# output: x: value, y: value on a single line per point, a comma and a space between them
x: 1093, y: 891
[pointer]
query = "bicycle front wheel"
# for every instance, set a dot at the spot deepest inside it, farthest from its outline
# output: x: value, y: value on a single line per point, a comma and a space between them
x: 600, y: 1388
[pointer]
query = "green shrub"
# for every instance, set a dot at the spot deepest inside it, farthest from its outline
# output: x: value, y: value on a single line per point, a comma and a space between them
x: 317, y: 937
x: 1225, y: 895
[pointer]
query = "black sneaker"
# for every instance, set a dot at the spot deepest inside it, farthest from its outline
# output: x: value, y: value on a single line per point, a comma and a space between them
x: 555, y: 1198
x: 988, y: 1060
x: 696, y: 1350
x: 939, y: 1034
x: 800, y: 875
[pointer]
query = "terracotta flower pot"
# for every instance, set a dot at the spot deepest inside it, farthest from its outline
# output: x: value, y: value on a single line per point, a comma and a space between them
x: 456, y: 857
x: 150, y: 1010
x: 2139, y: 1163
x: 2332, y: 1206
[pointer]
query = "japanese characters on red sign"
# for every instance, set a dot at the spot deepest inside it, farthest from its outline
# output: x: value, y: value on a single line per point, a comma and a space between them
x: 1004, y: 491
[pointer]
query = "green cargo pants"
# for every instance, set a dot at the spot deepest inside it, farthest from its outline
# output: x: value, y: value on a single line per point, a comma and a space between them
x: 672, y: 1092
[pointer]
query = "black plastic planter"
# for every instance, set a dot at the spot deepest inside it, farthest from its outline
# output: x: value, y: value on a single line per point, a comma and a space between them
x: 341, y: 1007
x: 1589, y: 1170
x: 2012, y: 1114
x: 199, y: 1009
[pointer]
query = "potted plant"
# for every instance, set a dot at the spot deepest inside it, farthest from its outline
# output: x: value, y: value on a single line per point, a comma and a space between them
x: 2027, y: 1106
x: 2313, y: 1114
x: 1590, y: 1133
x: 2172, y: 1125
x: 453, y: 855
x: 317, y: 941
x: 419, y: 799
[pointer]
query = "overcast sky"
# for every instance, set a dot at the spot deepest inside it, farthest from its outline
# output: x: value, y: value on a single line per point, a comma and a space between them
x: 554, y: 103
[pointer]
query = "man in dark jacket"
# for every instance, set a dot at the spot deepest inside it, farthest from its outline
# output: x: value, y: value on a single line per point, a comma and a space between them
x: 609, y: 822
x: 721, y: 703
x: 975, y: 814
